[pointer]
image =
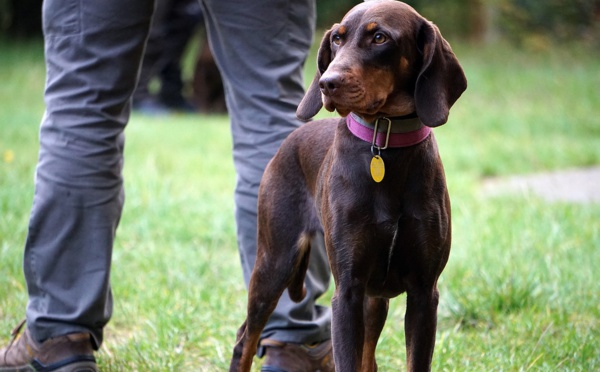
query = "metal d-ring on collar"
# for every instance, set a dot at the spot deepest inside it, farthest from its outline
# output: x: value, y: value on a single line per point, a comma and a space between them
x: 387, y: 136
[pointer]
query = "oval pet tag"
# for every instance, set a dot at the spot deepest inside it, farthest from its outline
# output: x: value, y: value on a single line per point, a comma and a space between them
x: 377, y: 168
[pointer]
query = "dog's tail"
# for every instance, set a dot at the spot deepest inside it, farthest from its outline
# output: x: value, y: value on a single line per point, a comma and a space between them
x: 296, y: 289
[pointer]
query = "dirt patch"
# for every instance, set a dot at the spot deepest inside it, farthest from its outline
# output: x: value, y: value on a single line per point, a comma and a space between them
x: 575, y: 185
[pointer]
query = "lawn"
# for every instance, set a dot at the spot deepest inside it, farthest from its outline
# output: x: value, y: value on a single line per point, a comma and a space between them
x: 521, y: 291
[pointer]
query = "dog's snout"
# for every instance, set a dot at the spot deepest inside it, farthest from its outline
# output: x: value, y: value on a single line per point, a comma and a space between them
x: 330, y: 82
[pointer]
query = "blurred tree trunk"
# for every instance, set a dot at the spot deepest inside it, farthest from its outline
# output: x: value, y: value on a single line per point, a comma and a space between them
x: 482, y: 19
x: 477, y: 20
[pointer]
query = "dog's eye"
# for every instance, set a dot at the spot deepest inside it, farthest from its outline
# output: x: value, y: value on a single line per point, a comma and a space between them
x: 379, y: 38
x: 336, y: 39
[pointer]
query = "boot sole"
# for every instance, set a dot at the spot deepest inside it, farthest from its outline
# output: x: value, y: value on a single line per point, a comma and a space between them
x: 73, y: 367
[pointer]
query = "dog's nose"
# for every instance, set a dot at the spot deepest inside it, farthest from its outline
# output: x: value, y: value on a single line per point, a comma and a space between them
x: 330, y: 82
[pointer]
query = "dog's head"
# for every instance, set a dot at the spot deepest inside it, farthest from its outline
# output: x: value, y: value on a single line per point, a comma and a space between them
x: 384, y: 59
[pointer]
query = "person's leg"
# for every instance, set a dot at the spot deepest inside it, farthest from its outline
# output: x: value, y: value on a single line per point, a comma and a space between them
x: 261, y: 48
x: 93, y: 51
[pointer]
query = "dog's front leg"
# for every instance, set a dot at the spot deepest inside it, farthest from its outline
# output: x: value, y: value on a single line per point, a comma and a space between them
x: 347, y: 328
x: 420, y: 325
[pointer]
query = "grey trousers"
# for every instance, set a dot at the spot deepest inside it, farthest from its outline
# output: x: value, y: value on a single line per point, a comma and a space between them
x: 93, y: 51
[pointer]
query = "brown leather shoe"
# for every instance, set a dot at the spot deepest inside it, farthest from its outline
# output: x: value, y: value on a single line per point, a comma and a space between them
x: 288, y: 357
x: 69, y: 353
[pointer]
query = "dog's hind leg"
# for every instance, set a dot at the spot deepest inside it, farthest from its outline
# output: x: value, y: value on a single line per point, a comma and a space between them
x: 236, y: 362
x: 265, y: 289
x: 279, y: 264
x: 376, y: 310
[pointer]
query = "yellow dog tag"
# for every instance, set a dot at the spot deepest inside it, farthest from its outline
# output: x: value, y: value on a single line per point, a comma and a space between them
x: 377, y: 168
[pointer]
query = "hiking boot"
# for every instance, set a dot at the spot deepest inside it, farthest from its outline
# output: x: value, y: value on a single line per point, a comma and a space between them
x: 288, y: 357
x: 69, y: 353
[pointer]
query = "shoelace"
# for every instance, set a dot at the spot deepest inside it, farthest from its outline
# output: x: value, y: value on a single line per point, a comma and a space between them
x: 16, y: 332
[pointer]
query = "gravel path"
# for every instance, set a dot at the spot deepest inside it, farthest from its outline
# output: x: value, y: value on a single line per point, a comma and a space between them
x: 576, y: 185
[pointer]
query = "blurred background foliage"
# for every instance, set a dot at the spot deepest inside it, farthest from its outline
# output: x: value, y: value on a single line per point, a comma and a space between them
x: 530, y: 23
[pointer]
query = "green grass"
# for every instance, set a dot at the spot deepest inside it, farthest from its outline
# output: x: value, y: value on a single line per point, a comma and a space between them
x: 521, y: 289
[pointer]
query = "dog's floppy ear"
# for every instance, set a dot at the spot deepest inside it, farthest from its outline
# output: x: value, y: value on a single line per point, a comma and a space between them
x: 441, y: 79
x: 312, y: 102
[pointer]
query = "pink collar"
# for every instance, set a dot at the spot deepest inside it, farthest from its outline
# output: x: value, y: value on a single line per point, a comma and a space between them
x: 403, y: 132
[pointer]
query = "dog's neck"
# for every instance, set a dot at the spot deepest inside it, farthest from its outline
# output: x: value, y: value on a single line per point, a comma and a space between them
x: 400, y: 131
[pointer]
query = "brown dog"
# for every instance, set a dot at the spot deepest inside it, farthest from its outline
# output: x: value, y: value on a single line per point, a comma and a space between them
x: 381, y: 201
